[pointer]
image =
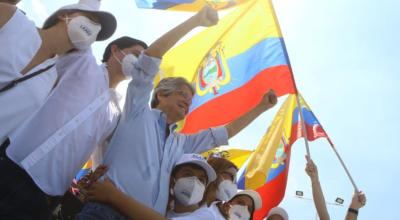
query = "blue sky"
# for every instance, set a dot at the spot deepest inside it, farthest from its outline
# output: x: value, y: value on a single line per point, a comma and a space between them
x: 344, y: 56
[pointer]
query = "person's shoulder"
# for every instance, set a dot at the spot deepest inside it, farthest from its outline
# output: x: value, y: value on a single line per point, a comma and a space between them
x: 6, y: 13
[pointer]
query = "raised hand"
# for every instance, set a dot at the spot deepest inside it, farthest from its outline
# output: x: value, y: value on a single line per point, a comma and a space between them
x: 359, y: 200
x: 311, y: 169
x: 269, y: 99
x: 207, y: 16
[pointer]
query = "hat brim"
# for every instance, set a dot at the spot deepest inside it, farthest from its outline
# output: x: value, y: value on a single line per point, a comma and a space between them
x: 209, y: 170
x: 107, y: 21
x: 278, y: 211
x: 254, y: 196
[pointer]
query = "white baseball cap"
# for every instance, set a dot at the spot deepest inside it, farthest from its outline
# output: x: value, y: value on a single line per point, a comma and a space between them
x: 200, y: 161
x: 253, y: 195
x: 279, y: 211
x: 106, y: 19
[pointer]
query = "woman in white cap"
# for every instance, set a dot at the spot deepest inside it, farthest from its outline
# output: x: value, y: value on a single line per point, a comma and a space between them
x: 188, y: 182
x: 224, y: 187
x: 33, y: 165
x: 28, y: 54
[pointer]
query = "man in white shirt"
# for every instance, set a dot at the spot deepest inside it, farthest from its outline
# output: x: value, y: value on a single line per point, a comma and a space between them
x: 41, y: 157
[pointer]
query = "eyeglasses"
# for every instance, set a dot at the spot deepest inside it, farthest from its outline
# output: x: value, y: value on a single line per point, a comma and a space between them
x: 185, y: 95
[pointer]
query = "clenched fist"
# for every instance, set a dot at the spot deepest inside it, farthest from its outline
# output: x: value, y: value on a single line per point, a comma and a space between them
x: 269, y: 99
x: 207, y: 16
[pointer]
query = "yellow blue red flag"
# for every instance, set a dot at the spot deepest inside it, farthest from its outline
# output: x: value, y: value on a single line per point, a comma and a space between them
x: 236, y: 155
x: 267, y: 168
x: 187, y: 5
x: 231, y: 65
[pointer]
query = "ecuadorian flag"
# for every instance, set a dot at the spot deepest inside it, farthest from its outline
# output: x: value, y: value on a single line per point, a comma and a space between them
x: 232, y: 65
x: 267, y: 168
x: 187, y: 5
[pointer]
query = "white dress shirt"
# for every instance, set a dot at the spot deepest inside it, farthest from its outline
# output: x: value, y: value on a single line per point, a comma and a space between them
x: 19, y: 43
x: 81, y: 82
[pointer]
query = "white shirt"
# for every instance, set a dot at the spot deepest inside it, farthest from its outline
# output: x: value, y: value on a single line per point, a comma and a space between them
x: 204, y: 213
x: 81, y: 82
x: 172, y: 214
x: 19, y: 43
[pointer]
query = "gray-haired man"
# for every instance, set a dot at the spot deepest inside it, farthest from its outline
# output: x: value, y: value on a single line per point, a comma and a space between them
x: 145, y: 148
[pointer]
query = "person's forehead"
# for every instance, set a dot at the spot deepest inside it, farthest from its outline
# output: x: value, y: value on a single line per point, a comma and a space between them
x: 195, y: 169
x: 134, y: 48
x: 275, y: 217
x: 246, y: 199
x: 186, y: 89
x: 89, y: 15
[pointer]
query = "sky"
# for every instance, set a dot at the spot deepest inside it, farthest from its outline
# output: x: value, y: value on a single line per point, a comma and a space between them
x: 344, y: 56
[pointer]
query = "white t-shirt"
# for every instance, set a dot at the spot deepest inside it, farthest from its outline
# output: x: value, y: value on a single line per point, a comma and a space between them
x: 19, y: 43
x: 204, y: 213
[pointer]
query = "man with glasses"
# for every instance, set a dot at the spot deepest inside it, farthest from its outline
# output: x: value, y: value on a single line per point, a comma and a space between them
x: 145, y: 146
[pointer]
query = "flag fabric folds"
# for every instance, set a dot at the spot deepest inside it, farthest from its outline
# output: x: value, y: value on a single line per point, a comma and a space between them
x: 187, y: 5
x: 232, y: 65
x: 235, y: 155
x: 267, y: 168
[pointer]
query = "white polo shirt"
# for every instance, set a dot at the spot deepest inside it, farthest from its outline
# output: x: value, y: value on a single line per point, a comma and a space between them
x: 53, y: 161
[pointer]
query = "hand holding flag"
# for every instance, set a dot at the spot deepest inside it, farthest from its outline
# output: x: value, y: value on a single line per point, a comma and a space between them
x: 207, y: 16
x: 311, y: 169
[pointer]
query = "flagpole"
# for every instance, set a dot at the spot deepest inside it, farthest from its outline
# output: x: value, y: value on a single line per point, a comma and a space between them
x: 303, y: 125
x: 301, y: 112
x: 343, y: 165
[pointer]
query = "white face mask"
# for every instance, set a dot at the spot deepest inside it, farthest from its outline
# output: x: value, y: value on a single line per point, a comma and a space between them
x: 82, y: 31
x: 189, y: 190
x: 239, y: 212
x: 127, y: 64
x: 226, y: 190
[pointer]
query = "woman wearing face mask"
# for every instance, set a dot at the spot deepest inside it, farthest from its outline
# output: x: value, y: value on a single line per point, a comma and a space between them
x: 224, y: 187
x: 189, y: 179
x: 240, y: 207
x: 44, y: 153
x: 27, y: 50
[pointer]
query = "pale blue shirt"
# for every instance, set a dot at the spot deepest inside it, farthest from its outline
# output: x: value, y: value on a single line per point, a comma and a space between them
x: 139, y: 157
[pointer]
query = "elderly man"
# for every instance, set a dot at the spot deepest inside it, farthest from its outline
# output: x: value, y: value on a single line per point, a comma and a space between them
x: 145, y: 146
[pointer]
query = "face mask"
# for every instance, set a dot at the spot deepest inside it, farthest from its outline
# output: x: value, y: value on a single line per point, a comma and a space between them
x: 226, y: 190
x: 82, y: 31
x: 127, y: 64
x: 239, y: 212
x: 189, y: 190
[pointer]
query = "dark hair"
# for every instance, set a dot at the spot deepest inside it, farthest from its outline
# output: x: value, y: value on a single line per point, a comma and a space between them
x: 122, y: 43
x: 13, y: 2
x: 191, y: 165
x: 167, y: 86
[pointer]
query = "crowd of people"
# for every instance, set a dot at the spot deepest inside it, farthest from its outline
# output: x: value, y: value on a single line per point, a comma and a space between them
x: 59, y: 108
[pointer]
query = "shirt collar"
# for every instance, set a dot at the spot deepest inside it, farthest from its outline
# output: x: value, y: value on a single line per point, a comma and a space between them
x: 162, y: 119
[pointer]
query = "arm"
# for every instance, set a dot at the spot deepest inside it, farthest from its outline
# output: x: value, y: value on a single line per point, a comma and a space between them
x: 6, y: 12
x: 106, y: 192
x: 357, y: 202
x: 147, y: 66
x: 268, y: 101
x: 214, y: 137
x: 318, y: 196
x: 205, y: 17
